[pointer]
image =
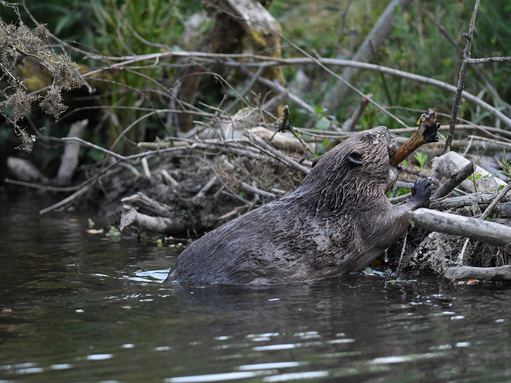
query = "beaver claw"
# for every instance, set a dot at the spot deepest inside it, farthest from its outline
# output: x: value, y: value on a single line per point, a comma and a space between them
x: 421, y: 191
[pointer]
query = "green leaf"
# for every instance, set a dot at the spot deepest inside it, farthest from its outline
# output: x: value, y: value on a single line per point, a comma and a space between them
x: 323, y: 124
x: 325, y: 143
x: 421, y: 158
x: 91, y: 223
x: 318, y: 110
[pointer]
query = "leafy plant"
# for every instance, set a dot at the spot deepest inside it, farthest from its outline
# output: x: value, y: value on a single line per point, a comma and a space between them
x: 421, y: 159
x: 474, y: 178
x: 505, y: 166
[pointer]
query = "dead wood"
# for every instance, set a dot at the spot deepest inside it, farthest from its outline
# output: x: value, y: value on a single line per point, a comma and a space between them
x: 282, y: 141
x: 461, y: 79
x: 490, y: 232
x: 500, y: 273
x: 467, y: 200
x: 454, y: 181
x: 69, y: 160
x: 148, y: 204
x: 145, y: 222
x: 24, y: 170
x: 280, y: 156
x: 488, y: 60
x: 255, y: 190
x: 425, y: 133
x: 350, y: 125
x: 451, y: 163
x: 496, y: 201
x: 202, y: 192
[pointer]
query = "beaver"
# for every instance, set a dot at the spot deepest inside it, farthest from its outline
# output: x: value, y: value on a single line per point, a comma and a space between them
x: 337, y: 221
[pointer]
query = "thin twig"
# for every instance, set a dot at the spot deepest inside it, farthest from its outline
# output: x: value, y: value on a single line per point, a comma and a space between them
x: 461, y: 79
x: 496, y: 201
x: 455, y: 180
x: 279, y: 155
x: 488, y: 60
x: 267, y: 61
x: 402, y: 253
x: 42, y: 187
x: 245, y: 90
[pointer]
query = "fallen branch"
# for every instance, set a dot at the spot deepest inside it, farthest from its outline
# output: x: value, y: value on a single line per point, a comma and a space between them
x: 501, y: 273
x: 148, y: 204
x: 466, y: 200
x: 43, y: 187
x: 67, y: 200
x: 155, y: 224
x: 282, y: 141
x: 255, y: 190
x: 451, y: 163
x: 454, y: 180
x: 69, y: 160
x: 496, y: 201
x: 280, y: 156
x: 485, y: 231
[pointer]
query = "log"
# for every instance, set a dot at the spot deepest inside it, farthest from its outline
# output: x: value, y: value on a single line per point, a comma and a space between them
x: 281, y: 141
x: 501, y: 273
x: 466, y: 200
x: 145, y: 222
x: 451, y: 163
x: 454, y: 181
x: 148, y: 204
x: 426, y: 133
x: 485, y: 231
x: 69, y: 160
x: 24, y: 170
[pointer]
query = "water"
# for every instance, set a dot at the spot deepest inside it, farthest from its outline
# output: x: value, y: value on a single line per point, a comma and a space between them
x: 86, y: 308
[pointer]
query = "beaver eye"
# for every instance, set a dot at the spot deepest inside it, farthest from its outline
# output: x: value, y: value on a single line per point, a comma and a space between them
x: 355, y: 157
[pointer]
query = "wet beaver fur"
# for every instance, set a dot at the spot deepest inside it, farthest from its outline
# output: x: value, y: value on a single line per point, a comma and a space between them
x: 337, y: 221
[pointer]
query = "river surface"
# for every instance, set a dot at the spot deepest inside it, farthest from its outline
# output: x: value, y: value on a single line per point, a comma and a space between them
x: 78, y: 307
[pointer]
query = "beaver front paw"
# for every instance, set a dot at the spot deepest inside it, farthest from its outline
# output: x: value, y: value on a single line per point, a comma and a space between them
x: 421, y: 191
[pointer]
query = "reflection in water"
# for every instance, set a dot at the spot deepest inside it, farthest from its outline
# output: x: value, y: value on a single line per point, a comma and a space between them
x: 89, y: 309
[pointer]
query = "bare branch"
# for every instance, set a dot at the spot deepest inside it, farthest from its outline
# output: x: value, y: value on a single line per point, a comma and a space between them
x: 461, y: 80
x: 488, y: 60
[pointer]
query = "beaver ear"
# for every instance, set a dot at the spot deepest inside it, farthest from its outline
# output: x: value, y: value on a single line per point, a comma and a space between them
x: 315, y: 162
x: 355, y: 157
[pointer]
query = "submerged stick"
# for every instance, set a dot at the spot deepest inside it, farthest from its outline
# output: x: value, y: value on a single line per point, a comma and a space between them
x: 426, y: 133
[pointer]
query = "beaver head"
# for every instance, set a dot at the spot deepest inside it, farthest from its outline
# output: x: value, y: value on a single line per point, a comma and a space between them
x: 357, y: 170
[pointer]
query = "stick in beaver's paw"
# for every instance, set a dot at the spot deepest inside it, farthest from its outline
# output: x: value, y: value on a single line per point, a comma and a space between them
x: 337, y: 221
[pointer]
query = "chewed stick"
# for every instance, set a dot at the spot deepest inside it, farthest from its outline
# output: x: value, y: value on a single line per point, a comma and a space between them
x: 426, y: 133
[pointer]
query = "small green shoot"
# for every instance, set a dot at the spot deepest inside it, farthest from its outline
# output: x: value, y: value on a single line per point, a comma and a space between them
x: 91, y: 223
x: 474, y: 178
x: 506, y: 166
x: 421, y: 159
x: 158, y: 242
